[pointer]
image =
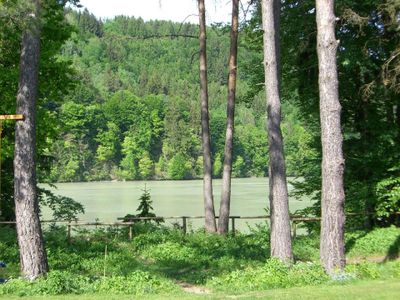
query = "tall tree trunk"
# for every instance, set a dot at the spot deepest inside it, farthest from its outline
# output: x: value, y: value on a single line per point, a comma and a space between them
x: 332, y: 202
x: 209, y: 210
x: 223, y: 221
x: 281, y: 243
x: 32, y: 253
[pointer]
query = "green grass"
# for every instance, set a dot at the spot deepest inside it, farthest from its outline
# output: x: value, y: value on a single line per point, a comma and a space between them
x: 388, y: 289
x: 158, y: 257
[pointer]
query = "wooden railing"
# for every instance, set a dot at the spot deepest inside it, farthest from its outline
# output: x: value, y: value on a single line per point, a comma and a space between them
x: 133, y: 220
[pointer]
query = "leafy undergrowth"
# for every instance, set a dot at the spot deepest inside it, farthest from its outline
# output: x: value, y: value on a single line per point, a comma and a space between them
x: 158, y: 257
x: 378, y: 242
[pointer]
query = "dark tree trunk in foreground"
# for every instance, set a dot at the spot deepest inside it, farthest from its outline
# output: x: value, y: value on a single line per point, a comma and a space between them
x: 32, y: 253
x: 281, y: 243
x: 223, y: 221
x: 332, y: 202
x: 209, y: 210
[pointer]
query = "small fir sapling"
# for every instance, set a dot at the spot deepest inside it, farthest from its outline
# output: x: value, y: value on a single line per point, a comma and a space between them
x: 145, y: 208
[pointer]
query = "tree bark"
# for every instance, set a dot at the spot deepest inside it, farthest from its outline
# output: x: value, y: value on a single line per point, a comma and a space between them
x: 281, y: 244
x: 223, y: 221
x: 209, y: 210
x: 32, y: 252
x: 332, y: 202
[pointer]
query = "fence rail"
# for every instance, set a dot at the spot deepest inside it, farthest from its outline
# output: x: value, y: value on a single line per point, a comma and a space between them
x: 133, y: 220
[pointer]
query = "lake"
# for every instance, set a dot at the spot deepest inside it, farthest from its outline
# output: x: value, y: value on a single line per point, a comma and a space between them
x: 107, y: 201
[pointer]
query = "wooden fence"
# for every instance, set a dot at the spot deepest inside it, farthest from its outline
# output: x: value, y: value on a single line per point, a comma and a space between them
x: 132, y: 220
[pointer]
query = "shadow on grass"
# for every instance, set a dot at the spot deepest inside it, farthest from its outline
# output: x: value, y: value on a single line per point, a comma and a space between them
x: 393, y: 251
x: 193, y: 258
x: 351, y: 242
x: 197, y: 259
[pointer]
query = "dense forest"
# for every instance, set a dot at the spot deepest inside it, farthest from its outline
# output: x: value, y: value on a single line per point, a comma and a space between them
x: 303, y: 93
x: 119, y: 99
x: 134, y: 112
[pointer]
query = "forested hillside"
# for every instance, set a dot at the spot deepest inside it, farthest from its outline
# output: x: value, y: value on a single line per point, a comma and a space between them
x: 134, y: 112
x: 84, y: 99
x: 119, y: 99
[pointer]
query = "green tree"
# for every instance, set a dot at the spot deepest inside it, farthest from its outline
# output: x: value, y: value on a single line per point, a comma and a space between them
x: 179, y: 167
x: 145, y: 208
x: 217, y: 166
x: 109, y: 148
x: 131, y: 153
x: 238, y: 167
x: 146, y: 166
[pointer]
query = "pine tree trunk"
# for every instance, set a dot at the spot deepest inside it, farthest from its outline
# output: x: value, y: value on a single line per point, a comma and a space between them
x: 32, y: 253
x: 332, y: 202
x: 209, y: 210
x: 281, y: 244
x: 223, y: 221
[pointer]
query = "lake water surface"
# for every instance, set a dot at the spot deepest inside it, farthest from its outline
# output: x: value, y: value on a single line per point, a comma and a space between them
x: 107, y: 201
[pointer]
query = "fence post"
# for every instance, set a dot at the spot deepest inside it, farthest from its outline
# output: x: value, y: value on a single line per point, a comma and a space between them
x: 233, y: 225
x: 69, y: 233
x: 294, y: 228
x: 184, y: 225
x: 130, y: 232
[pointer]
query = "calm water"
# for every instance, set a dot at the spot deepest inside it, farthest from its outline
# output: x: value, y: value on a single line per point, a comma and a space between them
x: 107, y: 201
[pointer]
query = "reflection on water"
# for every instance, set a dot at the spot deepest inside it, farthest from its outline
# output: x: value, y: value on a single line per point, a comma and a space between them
x: 107, y: 201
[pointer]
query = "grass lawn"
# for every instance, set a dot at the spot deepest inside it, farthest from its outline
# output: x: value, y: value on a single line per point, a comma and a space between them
x: 377, y: 289
x: 163, y: 263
